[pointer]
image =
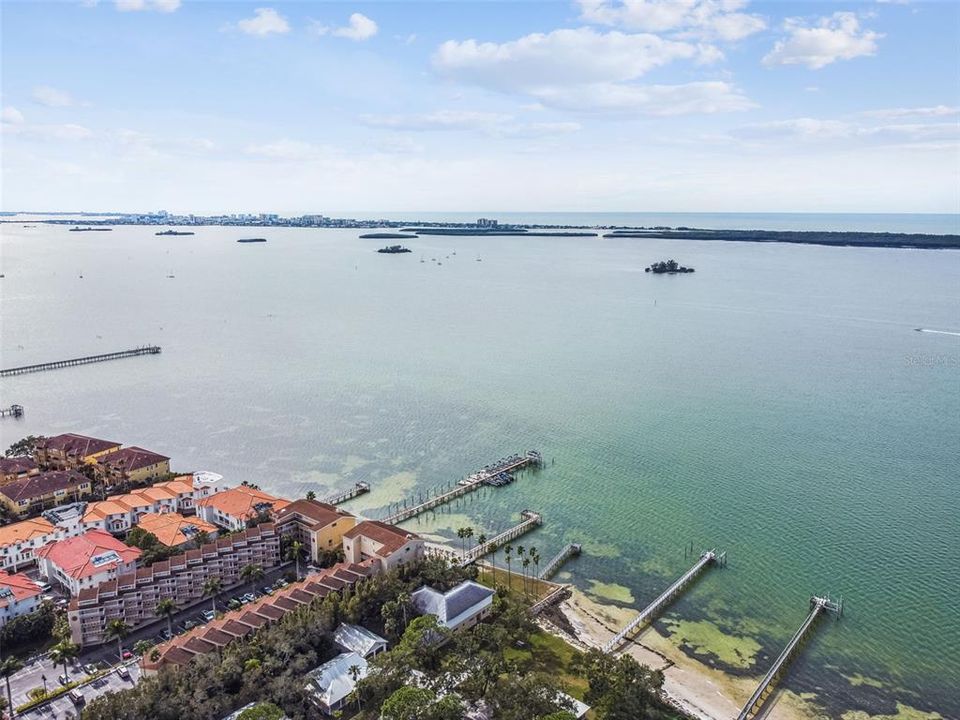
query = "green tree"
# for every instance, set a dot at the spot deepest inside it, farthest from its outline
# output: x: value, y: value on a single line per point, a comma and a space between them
x: 407, y: 703
x: 7, y: 668
x: 508, y: 555
x: 311, y: 495
x: 118, y: 629
x: 261, y: 711
x: 167, y: 608
x: 26, y: 446
x: 294, y: 552
x: 61, y: 654
x: 142, y: 647
x: 212, y: 587
x: 354, y: 672
x: 252, y: 574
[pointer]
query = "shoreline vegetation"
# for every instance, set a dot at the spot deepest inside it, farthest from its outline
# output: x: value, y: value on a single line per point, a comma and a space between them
x: 394, y: 229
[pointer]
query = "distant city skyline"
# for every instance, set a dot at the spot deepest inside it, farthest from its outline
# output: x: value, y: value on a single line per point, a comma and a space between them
x: 589, y: 106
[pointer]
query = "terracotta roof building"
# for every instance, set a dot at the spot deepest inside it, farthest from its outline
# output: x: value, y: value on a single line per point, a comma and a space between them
x: 173, y: 529
x: 86, y: 560
x: 33, y: 493
x: 232, y: 508
x: 133, y: 595
x: 20, y: 540
x: 71, y: 450
x: 15, y: 468
x: 132, y: 464
x: 18, y: 595
x: 388, y: 545
x: 239, y: 623
x: 319, y: 526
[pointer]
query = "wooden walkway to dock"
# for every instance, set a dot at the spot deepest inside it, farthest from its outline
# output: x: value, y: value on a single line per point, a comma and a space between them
x: 489, y: 475
x: 818, y: 605
x: 530, y: 520
x: 343, y: 495
x: 667, y: 596
x: 559, y: 559
x: 12, y: 411
x: 563, y: 592
x: 146, y: 350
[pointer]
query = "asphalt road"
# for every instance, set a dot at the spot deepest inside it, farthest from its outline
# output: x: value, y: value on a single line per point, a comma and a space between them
x: 34, y: 671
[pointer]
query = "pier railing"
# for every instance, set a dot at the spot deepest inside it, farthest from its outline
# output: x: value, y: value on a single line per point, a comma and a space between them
x: 818, y: 605
x: 649, y: 612
x: 555, y: 597
x: 559, y: 559
x: 530, y: 520
x: 341, y: 496
x: 145, y: 350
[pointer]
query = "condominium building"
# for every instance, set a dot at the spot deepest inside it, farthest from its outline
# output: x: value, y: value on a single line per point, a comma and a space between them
x: 18, y: 595
x: 133, y: 595
x: 20, y: 540
x: 385, y: 545
x: 70, y: 451
x: 231, y: 509
x: 319, y: 526
x: 131, y: 464
x: 86, y: 561
x: 33, y: 493
x: 16, y: 468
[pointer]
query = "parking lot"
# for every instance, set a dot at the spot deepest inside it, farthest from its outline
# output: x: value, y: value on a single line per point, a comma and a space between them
x: 64, y: 706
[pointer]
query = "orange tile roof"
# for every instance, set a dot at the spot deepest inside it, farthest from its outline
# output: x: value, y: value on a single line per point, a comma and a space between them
x: 169, y: 527
x: 239, y: 502
x: 155, y: 493
x: 25, y: 530
x: 178, y: 486
x: 20, y: 586
x: 102, y: 509
x: 389, y: 537
x: 75, y: 555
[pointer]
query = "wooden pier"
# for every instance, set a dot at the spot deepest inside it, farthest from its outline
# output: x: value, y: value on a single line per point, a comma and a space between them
x: 560, y: 558
x: 343, y: 495
x: 12, y: 411
x: 818, y: 605
x: 489, y: 475
x: 146, y: 350
x: 665, y: 598
x: 530, y: 520
x: 563, y: 592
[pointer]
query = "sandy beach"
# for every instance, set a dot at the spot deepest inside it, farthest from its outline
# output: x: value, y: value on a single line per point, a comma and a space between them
x: 694, y: 687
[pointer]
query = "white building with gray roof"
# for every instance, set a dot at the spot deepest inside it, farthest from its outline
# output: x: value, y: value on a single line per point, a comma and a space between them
x: 460, y: 607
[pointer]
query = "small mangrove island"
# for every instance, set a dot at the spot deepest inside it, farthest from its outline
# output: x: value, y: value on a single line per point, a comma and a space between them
x: 393, y: 249
x: 670, y: 267
x: 386, y: 236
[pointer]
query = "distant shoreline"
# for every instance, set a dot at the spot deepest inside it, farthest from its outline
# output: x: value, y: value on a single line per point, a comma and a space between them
x: 834, y: 238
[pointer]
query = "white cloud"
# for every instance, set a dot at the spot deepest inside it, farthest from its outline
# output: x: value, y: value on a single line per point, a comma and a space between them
x: 586, y: 70
x: 817, y: 131
x: 11, y: 116
x: 439, y: 120
x: 51, y: 97
x: 360, y: 28
x: 895, y: 113
x: 712, y: 96
x: 704, y: 18
x: 265, y: 21
x: 315, y: 27
x: 837, y: 37
x: 166, y: 6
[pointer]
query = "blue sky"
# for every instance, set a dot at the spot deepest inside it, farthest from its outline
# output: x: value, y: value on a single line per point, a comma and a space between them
x: 588, y: 105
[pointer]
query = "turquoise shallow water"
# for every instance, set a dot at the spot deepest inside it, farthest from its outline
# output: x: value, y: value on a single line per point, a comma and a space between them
x: 777, y: 403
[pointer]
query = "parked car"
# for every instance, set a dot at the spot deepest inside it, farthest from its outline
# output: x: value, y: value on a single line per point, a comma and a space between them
x: 267, y: 590
x: 234, y: 604
x: 77, y: 697
x: 123, y: 672
x: 166, y: 634
x: 189, y: 624
x: 208, y: 615
x: 247, y: 598
x: 62, y: 679
x: 89, y: 668
x: 44, y: 586
x: 126, y: 654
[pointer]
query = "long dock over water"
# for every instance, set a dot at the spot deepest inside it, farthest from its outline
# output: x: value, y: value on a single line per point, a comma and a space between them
x: 530, y: 520
x: 342, y: 496
x: 12, y: 411
x: 667, y: 596
x: 145, y: 350
x: 818, y: 605
x: 559, y: 559
x: 498, y: 473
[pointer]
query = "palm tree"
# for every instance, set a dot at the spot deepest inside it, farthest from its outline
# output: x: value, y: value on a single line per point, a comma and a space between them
x: 142, y: 647
x: 535, y: 556
x: 167, y: 608
x: 311, y: 495
x: 118, y: 629
x: 61, y: 653
x: 293, y: 553
x: 520, y: 551
x: 526, y: 564
x: 251, y: 574
x: 7, y: 668
x: 201, y: 539
x: 481, y: 539
x: 211, y: 588
x: 462, y: 533
x: 355, y: 676
x: 468, y: 533
x: 508, y: 554
x: 404, y: 600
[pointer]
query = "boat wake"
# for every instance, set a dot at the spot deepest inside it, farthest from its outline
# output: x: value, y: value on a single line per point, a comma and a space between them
x: 938, y: 332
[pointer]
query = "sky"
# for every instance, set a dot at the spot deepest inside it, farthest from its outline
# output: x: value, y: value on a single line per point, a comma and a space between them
x: 580, y: 105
